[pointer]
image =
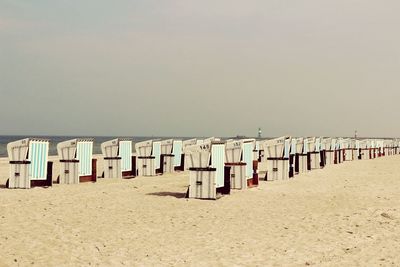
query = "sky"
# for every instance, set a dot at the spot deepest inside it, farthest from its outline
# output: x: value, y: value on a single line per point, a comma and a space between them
x: 200, y: 68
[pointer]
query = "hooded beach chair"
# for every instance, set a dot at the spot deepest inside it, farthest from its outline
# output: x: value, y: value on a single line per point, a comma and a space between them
x: 313, y: 155
x: 365, y: 151
x: 300, y: 161
x: 239, y: 155
x: 208, y: 174
x: 348, y: 149
x: 118, y: 159
x: 146, y: 162
x: 186, y: 164
x: 76, y: 161
x: 167, y: 156
x: 326, y: 152
x: 29, y: 165
x: 277, y: 158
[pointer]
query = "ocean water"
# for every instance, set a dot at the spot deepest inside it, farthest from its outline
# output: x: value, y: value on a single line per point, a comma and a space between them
x: 54, y: 140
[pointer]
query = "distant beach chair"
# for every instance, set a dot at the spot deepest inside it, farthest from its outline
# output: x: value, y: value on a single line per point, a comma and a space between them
x: 297, y: 150
x: 313, y: 153
x: 29, y: 165
x: 347, y: 147
x: 146, y: 162
x: 208, y: 175
x: 326, y: 151
x: 365, y: 149
x: 118, y: 159
x: 239, y: 156
x: 167, y: 157
x: 76, y: 161
x: 277, y: 158
x: 186, y: 164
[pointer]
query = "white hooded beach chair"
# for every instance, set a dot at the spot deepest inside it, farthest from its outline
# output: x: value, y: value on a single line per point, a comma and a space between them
x: 207, y: 176
x: 118, y: 159
x: 186, y: 164
x: 167, y: 157
x: 112, y: 160
x: 326, y: 151
x: 301, y: 157
x: 146, y: 162
x: 347, y: 147
x: 365, y: 149
x: 313, y: 149
x: 76, y: 161
x: 277, y: 158
x: 233, y: 155
x: 29, y: 165
x: 239, y: 155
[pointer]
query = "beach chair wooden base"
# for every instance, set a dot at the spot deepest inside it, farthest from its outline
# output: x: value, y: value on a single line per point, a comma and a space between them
x: 166, y: 164
x: 202, y: 183
x: 237, y: 175
x: 48, y: 182
x: 146, y: 166
x: 313, y: 161
x: 277, y: 169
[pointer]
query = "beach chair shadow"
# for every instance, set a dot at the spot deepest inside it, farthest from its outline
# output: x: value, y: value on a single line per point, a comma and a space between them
x: 168, y: 194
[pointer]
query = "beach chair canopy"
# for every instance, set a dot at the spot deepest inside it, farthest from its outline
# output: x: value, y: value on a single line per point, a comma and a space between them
x: 167, y: 146
x: 109, y: 149
x: 18, y: 150
x: 144, y: 149
x: 233, y: 151
x: 310, y: 144
x: 275, y: 148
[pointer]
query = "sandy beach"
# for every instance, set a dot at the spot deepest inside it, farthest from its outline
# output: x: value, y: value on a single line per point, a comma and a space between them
x: 343, y: 215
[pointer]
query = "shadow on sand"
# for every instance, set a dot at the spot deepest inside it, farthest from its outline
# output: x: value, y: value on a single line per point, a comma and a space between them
x: 168, y: 194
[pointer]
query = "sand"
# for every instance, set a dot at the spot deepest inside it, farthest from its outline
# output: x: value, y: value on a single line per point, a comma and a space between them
x: 343, y: 215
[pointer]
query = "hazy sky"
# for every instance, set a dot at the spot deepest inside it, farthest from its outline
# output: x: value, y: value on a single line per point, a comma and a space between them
x: 209, y: 67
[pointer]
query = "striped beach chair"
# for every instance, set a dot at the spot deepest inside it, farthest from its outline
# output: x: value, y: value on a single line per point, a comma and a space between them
x: 29, y: 165
x: 208, y: 175
x: 118, y: 159
x: 76, y: 160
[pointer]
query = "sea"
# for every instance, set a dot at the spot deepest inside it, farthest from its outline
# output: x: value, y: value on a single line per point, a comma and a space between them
x: 54, y: 140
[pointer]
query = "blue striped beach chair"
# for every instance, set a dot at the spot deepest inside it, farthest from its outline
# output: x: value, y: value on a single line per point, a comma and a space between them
x: 119, y: 162
x: 29, y: 165
x: 77, y: 163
